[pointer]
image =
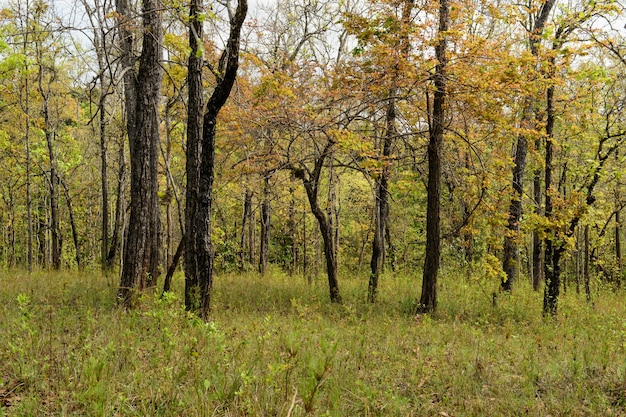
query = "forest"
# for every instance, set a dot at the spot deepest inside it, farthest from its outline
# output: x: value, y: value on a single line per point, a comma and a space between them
x: 284, y: 174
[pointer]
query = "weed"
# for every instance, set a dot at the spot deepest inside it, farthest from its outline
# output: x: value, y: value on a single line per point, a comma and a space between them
x: 277, y: 347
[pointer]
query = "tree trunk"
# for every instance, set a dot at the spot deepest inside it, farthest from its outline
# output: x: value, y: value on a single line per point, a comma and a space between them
x: 311, y: 181
x: 245, y: 218
x: 228, y: 65
x: 618, y: 227
x: 586, y: 273
x: 428, y: 299
x: 56, y: 241
x: 142, y: 247
x: 381, y: 206
x: 193, y: 152
x: 25, y: 101
x: 264, y: 249
x: 104, y: 182
x: 553, y: 244
x: 119, y: 207
x: 510, y: 259
x: 70, y: 209
x: 536, y: 255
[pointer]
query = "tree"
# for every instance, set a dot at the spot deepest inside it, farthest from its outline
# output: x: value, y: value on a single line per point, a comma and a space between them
x: 225, y: 74
x: 381, y: 206
x: 142, y: 94
x: 511, y: 251
x: 428, y: 299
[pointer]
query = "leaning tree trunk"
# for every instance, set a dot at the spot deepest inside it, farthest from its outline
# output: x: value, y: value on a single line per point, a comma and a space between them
x: 428, y: 299
x: 142, y: 246
x: 227, y: 73
x: 311, y: 181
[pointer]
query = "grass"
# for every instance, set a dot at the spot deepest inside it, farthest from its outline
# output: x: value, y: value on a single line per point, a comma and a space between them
x: 277, y: 347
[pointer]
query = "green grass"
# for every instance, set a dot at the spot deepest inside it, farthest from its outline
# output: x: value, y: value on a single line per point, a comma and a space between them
x: 276, y: 347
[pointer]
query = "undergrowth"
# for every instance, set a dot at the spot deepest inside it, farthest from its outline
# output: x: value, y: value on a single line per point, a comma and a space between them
x: 276, y: 347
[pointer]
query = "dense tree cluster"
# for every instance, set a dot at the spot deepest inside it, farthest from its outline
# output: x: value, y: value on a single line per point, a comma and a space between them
x: 317, y: 137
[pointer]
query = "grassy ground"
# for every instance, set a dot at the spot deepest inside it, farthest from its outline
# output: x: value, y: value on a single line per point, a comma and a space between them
x: 276, y: 347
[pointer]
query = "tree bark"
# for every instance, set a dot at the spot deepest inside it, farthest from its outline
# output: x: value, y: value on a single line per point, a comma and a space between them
x: 553, y: 245
x: 428, y: 299
x: 264, y: 249
x: 245, y: 218
x: 311, y: 181
x: 536, y: 255
x: 73, y: 226
x: 226, y: 75
x: 142, y: 248
x: 193, y: 152
x: 119, y: 207
x: 381, y: 207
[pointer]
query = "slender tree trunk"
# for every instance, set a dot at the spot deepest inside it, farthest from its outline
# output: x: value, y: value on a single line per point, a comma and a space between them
x: 586, y: 273
x: 618, y: 227
x: 311, y: 181
x: 428, y: 299
x: 578, y: 261
x: 56, y: 242
x: 291, y: 224
x: 142, y: 248
x: 536, y: 254
x: 264, y: 249
x: 74, y: 227
x: 381, y: 205
x: 167, y: 283
x: 119, y: 208
x: 553, y: 247
x: 510, y: 259
x: 26, y: 108
x: 245, y: 218
x: 381, y: 210
x: 104, y: 182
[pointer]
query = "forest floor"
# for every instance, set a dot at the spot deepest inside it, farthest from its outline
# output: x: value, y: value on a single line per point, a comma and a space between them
x: 277, y: 347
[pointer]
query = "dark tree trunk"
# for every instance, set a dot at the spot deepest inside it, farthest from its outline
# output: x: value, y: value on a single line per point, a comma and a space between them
x: 381, y: 206
x: 228, y: 65
x: 554, y: 244
x: 618, y: 228
x: 142, y: 247
x: 119, y: 207
x: 264, y: 249
x: 291, y: 224
x: 428, y: 299
x: 193, y: 152
x: 70, y: 209
x: 56, y: 242
x: 536, y: 256
x: 104, y: 182
x: 311, y: 181
x: 586, y: 273
x: 167, y: 283
x: 245, y: 218
x: 510, y: 258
